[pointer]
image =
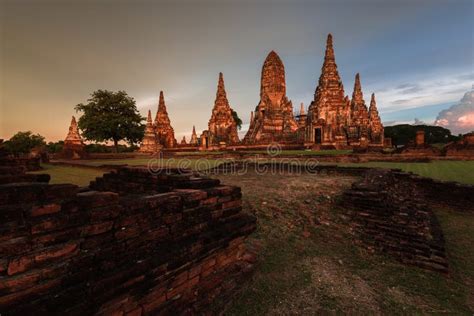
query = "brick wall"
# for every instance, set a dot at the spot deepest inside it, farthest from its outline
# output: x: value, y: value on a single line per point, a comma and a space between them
x: 138, y: 244
x: 389, y: 215
x: 457, y: 196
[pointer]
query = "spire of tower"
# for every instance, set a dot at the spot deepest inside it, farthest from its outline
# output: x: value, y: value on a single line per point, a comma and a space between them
x: 149, y: 120
x: 302, y: 109
x: 373, y: 104
x: 329, y: 56
x: 251, y: 116
x: 221, y: 94
x: 329, y: 79
x: 357, y: 94
x: 161, y: 103
x: 194, y: 130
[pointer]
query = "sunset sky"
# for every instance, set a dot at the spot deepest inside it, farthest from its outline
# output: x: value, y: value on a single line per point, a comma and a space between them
x: 417, y: 56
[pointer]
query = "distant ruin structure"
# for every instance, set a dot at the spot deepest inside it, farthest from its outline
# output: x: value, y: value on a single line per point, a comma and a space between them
x: 73, y: 147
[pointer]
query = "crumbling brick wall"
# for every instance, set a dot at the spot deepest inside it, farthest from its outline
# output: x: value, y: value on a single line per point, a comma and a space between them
x: 454, y: 195
x: 388, y: 214
x: 137, y: 244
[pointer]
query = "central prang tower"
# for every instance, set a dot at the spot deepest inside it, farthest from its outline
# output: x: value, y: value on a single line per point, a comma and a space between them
x: 273, y: 119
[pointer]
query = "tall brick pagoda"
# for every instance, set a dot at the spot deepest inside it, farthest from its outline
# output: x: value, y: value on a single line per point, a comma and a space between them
x: 376, y: 130
x: 358, y: 131
x: 273, y: 118
x: 73, y: 147
x: 222, y: 126
x: 194, y: 138
x: 301, y: 117
x: 164, y: 131
x: 149, y: 143
x: 328, y: 113
x: 334, y: 121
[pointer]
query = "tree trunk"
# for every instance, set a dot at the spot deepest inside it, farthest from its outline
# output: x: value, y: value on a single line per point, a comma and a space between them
x: 116, y: 145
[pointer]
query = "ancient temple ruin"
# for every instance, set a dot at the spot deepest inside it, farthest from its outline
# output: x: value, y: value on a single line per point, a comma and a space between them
x: 273, y: 119
x: 73, y: 147
x: 222, y: 126
x: 194, y: 139
x: 333, y: 120
x: 150, y: 143
x: 163, y: 129
x: 376, y: 134
x: 158, y: 134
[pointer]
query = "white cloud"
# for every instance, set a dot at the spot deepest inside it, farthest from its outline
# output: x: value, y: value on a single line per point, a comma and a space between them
x: 409, y: 93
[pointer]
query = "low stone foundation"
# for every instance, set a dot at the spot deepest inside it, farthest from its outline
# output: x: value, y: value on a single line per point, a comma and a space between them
x: 138, y: 244
x: 388, y: 214
x: 26, y: 163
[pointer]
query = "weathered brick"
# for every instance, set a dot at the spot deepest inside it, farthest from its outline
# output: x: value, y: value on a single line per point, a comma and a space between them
x: 231, y: 204
x: 135, y: 312
x: 196, y: 270
x: 20, y: 264
x: 208, y: 263
x: 209, y: 201
x: 65, y: 250
x: 22, y: 296
x: 152, y: 306
x: 98, y: 228
x: 180, y: 278
x: 19, y: 282
x: 45, y: 209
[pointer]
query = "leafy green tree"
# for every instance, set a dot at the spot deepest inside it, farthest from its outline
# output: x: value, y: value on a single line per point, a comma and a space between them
x: 111, y: 116
x: 24, y: 142
x: 237, y: 119
x: 100, y: 148
x: 55, y: 147
x: 404, y: 133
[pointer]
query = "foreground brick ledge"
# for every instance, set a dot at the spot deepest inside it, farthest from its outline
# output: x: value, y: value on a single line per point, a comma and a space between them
x: 134, y: 243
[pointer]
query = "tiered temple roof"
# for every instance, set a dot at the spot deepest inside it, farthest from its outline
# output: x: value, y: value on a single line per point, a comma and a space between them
x: 73, y: 137
x: 73, y: 147
x: 273, y: 118
x: 149, y: 143
x: 332, y: 119
x: 194, y: 138
x: 222, y: 125
x: 359, y: 112
x: 375, y: 124
x: 163, y: 129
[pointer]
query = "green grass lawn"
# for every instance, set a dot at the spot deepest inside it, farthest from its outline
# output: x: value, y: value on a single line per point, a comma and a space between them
x: 331, y: 152
x: 84, y: 171
x: 460, y: 171
x: 80, y: 176
x: 196, y: 164
x: 308, y: 264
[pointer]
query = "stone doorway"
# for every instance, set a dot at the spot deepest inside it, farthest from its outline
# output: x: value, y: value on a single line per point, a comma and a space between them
x: 318, y: 135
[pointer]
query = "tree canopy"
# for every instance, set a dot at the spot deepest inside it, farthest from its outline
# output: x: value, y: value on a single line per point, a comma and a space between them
x: 404, y: 133
x: 111, y: 116
x: 24, y: 142
x: 55, y: 147
x: 237, y: 119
